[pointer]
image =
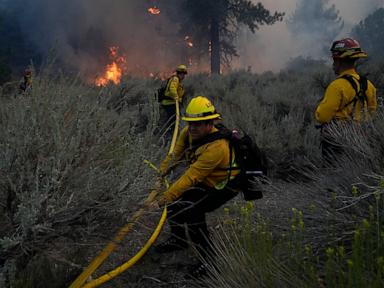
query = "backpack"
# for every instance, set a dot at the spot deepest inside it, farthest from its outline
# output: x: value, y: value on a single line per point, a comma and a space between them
x: 250, y: 160
x: 161, y: 91
x: 360, y: 94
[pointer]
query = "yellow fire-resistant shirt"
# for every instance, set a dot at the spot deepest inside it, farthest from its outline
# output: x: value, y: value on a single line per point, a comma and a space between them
x: 338, y: 94
x: 208, y: 165
x: 173, y: 91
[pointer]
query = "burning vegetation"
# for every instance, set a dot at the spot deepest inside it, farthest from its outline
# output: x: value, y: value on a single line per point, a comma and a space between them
x: 154, y: 10
x: 114, y: 70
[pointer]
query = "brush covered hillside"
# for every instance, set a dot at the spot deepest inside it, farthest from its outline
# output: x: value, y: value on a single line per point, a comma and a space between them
x: 72, y: 173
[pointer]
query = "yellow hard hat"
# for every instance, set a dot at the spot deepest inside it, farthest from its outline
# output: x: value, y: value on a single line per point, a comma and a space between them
x: 200, y: 109
x: 182, y: 69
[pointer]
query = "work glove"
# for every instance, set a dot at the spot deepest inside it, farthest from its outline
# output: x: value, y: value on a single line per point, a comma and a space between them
x: 156, y: 204
x: 162, y: 201
x: 159, y: 185
x: 153, y: 205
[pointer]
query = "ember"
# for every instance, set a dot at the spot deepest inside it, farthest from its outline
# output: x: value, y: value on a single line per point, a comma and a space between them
x: 188, y: 41
x: 154, y: 10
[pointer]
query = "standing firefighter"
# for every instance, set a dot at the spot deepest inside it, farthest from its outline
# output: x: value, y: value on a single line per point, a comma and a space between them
x: 26, y: 82
x: 171, y: 92
x: 350, y: 97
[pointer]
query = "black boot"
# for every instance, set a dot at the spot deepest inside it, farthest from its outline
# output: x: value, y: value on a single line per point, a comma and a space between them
x: 197, y: 271
x: 171, y: 244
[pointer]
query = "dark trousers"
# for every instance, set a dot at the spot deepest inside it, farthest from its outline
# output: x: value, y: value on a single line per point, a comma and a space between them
x: 190, y: 210
x: 167, y: 120
x: 331, y: 148
x: 330, y: 152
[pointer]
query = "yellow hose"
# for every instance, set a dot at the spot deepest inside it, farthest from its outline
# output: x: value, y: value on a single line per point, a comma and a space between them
x: 176, y: 130
x: 112, y: 274
x: 82, y: 278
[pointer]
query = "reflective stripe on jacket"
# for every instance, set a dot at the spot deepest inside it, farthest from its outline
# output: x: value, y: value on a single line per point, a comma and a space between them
x: 338, y: 94
x: 208, y: 165
x: 173, y: 91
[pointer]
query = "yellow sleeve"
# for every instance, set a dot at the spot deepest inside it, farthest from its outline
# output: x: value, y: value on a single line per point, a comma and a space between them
x: 209, y: 157
x: 173, y: 87
x: 180, y: 92
x: 371, y: 98
x: 177, y: 153
x: 330, y: 104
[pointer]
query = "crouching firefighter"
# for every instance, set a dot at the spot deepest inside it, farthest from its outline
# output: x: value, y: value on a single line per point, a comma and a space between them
x: 209, y: 182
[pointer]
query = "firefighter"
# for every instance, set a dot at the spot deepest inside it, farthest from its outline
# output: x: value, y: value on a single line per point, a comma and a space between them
x: 204, y: 186
x: 174, y: 91
x: 349, y: 98
x: 26, y: 82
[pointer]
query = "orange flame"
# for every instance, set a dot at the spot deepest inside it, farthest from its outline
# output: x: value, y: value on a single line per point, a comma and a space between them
x: 188, y: 41
x: 154, y: 10
x: 113, y: 71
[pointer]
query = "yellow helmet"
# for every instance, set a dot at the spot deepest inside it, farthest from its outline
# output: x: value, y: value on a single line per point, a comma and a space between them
x: 182, y: 69
x: 200, y: 109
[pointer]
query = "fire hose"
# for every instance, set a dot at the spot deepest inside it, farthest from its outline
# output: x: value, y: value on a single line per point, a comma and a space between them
x: 98, y: 260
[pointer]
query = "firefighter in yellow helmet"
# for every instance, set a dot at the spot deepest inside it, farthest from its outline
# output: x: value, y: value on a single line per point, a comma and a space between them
x: 174, y: 91
x: 204, y: 186
x: 350, y: 97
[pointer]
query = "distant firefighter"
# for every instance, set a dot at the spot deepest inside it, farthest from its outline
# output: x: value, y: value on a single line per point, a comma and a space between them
x: 26, y: 82
x: 349, y: 98
x: 170, y: 92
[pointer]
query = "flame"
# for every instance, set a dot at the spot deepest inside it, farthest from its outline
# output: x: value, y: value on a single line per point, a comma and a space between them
x: 114, y: 70
x: 154, y: 10
x: 188, y: 41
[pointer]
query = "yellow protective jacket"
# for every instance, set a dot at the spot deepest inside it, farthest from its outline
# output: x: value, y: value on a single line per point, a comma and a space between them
x: 173, y: 91
x: 338, y: 94
x: 208, y: 165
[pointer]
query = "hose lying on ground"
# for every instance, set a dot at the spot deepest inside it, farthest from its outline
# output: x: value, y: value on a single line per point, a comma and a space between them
x: 82, y: 278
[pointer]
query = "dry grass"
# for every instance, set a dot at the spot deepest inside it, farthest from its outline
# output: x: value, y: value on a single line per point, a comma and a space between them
x: 71, y: 166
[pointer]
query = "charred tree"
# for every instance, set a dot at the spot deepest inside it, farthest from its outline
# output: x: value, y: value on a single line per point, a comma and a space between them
x: 317, y: 20
x: 218, y: 21
x: 215, y: 46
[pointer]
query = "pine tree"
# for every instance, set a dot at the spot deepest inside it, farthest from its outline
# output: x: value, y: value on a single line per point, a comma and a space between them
x: 370, y: 33
x: 315, y: 24
x: 217, y: 22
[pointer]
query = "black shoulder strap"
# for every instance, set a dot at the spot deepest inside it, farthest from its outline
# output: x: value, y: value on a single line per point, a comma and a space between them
x: 351, y: 81
x: 363, y: 88
x: 359, y: 94
x: 168, y: 81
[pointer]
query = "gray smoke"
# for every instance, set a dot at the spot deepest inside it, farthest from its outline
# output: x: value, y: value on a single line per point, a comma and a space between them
x: 273, y: 46
x: 81, y: 31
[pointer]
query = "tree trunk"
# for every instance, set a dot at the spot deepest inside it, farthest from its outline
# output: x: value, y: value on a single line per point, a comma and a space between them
x: 215, y: 47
